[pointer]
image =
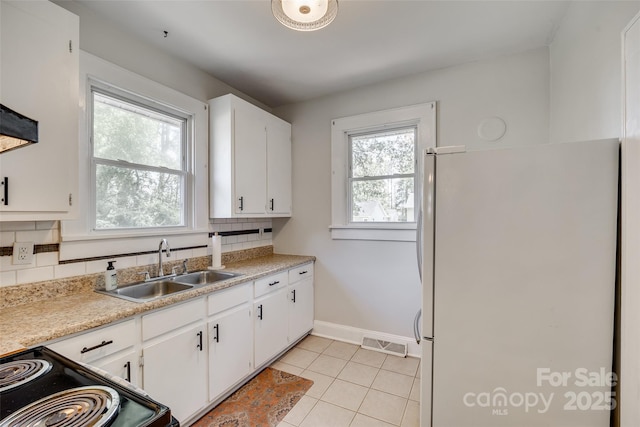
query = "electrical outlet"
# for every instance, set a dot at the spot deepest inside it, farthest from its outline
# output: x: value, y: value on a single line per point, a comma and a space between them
x: 23, y: 252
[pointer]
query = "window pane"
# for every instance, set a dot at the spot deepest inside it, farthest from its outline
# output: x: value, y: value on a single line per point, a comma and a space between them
x: 383, y: 200
x: 383, y: 153
x: 125, y: 131
x: 127, y: 198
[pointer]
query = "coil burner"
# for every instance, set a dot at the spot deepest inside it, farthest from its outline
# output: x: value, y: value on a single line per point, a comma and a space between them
x: 90, y: 406
x: 19, y: 372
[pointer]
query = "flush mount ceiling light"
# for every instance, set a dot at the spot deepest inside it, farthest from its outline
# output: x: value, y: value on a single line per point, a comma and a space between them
x: 305, y: 15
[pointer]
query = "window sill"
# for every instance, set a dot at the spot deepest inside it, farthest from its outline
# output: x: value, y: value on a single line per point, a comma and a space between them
x: 379, y: 232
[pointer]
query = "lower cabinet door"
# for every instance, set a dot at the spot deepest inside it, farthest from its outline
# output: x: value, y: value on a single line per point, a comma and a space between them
x: 300, y: 308
x: 230, y: 349
x: 124, y: 366
x: 271, y: 325
x: 175, y: 371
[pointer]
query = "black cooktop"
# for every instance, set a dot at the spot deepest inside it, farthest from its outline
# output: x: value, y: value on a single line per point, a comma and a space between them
x: 55, y: 374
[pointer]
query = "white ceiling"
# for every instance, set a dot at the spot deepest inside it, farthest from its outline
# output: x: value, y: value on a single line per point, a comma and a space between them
x: 241, y: 43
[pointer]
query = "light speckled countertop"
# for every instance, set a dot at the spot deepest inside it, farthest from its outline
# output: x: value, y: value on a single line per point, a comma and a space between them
x: 34, y: 323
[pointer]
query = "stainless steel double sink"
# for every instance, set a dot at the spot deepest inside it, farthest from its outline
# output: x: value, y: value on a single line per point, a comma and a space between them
x: 170, y: 285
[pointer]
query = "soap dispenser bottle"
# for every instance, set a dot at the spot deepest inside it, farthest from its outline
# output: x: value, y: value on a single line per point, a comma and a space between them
x: 110, y: 277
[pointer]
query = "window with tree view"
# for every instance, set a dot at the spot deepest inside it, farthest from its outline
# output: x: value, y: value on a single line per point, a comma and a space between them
x: 138, y: 163
x: 382, y: 175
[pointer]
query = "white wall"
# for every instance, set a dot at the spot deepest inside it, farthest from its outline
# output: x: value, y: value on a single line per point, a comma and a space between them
x: 375, y: 285
x: 103, y: 39
x: 108, y: 42
x: 585, y: 58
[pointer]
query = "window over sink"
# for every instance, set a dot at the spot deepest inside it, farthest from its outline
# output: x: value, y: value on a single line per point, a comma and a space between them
x: 143, y: 166
x: 139, y: 166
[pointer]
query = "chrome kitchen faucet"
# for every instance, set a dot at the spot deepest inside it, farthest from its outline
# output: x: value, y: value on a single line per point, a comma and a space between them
x: 168, y: 250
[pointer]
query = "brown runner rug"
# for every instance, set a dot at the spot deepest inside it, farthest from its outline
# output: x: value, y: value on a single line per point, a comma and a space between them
x: 262, y: 402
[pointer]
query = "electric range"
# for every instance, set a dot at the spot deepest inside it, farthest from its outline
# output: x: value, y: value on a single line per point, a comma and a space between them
x: 39, y: 387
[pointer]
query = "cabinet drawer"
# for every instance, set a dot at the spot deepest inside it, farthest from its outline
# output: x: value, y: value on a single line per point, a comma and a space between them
x: 271, y: 283
x: 169, y: 319
x: 302, y: 272
x: 99, y: 343
x: 228, y: 298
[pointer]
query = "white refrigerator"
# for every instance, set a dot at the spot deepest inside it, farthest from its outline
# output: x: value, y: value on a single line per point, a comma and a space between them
x: 518, y: 274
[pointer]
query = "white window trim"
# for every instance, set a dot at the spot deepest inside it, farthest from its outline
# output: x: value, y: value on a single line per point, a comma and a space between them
x: 351, y: 179
x: 77, y: 236
x: 186, y: 172
x: 421, y: 115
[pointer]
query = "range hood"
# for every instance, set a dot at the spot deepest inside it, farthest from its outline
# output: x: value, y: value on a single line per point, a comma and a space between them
x: 16, y: 130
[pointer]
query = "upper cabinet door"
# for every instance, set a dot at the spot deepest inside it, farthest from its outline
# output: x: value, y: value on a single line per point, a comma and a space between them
x: 39, y: 79
x: 249, y: 160
x: 278, y: 167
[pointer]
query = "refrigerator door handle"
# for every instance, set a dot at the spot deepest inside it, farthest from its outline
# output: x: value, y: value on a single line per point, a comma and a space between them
x: 419, y: 241
x: 416, y: 326
x: 427, y: 243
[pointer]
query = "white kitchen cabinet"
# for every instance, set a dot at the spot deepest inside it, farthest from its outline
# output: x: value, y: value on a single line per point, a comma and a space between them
x: 112, y: 349
x: 301, y: 297
x: 250, y: 160
x: 300, y: 308
x: 283, y: 311
x: 39, y: 45
x: 191, y: 355
x: 124, y: 365
x: 278, y: 167
x: 230, y: 338
x: 175, y: 357
x: 271, y: 323
x: 250, y: 150
x: 301, y: 272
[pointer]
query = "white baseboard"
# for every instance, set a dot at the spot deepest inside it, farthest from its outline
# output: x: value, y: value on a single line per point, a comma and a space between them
x: 353, y: 335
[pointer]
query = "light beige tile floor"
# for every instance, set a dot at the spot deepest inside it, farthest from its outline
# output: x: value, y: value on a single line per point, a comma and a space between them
x: 353, y: 387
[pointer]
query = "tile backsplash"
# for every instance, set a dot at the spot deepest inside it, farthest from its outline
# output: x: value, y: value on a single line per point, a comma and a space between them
x: 233, y: 233
x: 237, y: 234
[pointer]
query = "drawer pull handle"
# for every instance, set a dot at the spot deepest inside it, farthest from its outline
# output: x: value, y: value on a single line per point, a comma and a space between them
x: 303, y: 272
x: 216, y: 338
x: 102, y: 344
x: 294, y: 295
x: 5, y: 191
x: 260, y: 315
x: 200, y: 342
x: 128, y: 367
x: 274, y: 283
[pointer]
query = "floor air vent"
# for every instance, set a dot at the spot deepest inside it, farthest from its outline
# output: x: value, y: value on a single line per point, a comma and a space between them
x: 397, y: 349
